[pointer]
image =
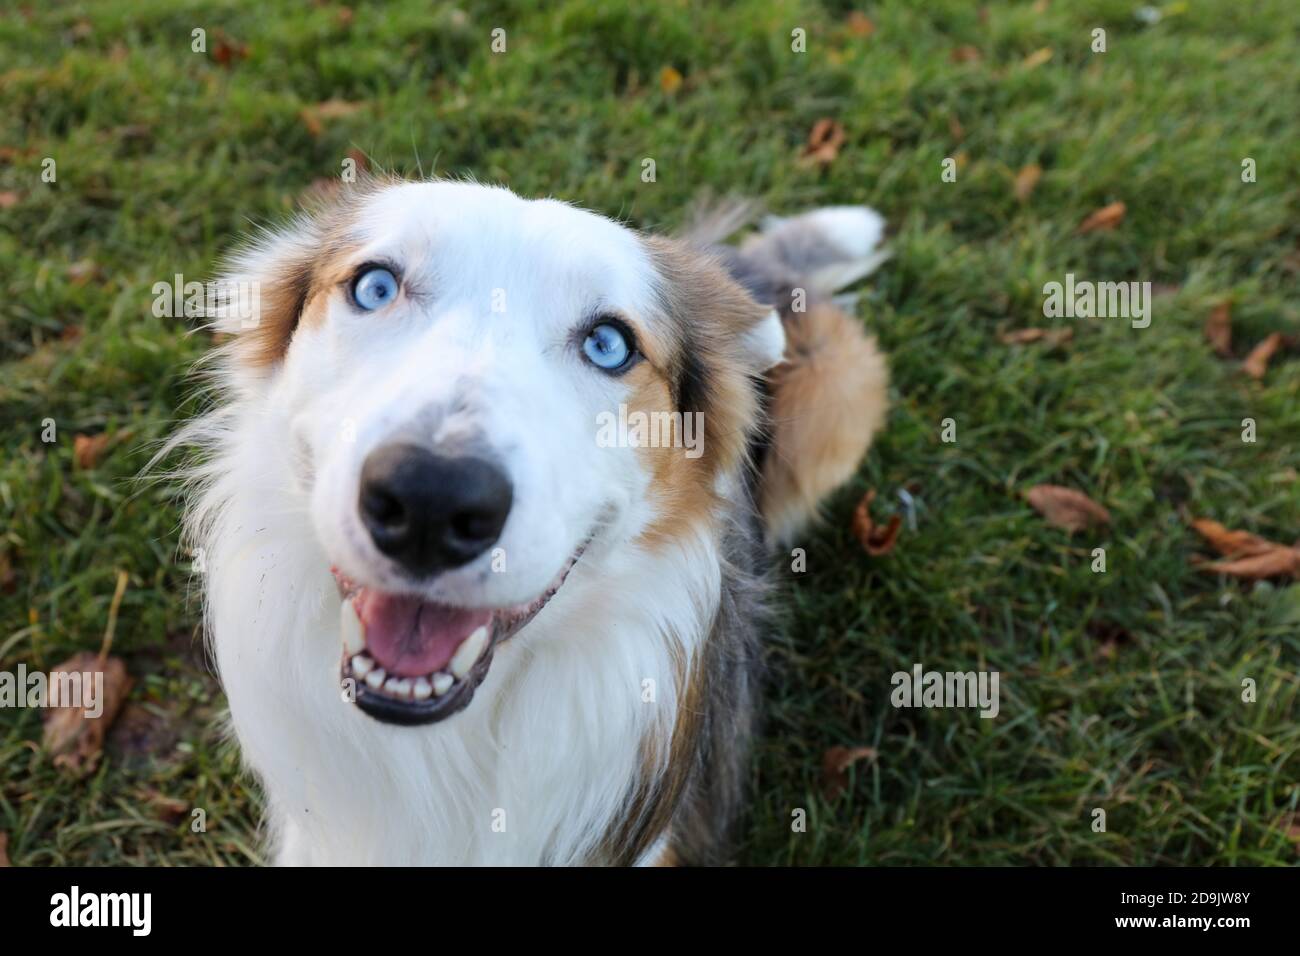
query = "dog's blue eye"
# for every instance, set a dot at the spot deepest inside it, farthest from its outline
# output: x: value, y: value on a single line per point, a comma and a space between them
x: 607, y: 347
x: 375, y: 288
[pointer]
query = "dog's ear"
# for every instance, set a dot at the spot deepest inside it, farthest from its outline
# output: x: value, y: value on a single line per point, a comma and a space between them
x: 264, y: 290
x: 711, y: 309
x: 268, y: 285
x: 723, y: 342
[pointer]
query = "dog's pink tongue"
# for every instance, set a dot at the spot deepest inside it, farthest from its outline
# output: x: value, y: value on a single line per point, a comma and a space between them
x: 410, y: 637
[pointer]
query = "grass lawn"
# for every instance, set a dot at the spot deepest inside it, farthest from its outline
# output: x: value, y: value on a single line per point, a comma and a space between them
x: 1119, y: 690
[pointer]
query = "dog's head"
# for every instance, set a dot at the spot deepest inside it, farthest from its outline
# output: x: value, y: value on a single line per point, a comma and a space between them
x: 479, y: 387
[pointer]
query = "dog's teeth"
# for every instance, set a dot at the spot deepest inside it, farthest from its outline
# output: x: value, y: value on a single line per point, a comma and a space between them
x: 398, y: 686
x: 442, y: 683
x: 422, y: 689
x: 354, y: 641
x: 375, y: 679
x: 362, y: 665
x: 470, y: 650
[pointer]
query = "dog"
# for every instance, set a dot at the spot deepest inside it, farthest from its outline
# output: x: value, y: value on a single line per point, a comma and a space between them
x: 467, y: 608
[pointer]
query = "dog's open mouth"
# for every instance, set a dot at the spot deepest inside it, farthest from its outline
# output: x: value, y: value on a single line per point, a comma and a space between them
x: 413, y: 661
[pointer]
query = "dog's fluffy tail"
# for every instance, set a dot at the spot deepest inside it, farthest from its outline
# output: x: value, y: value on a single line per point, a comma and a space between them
x: 830, y: 395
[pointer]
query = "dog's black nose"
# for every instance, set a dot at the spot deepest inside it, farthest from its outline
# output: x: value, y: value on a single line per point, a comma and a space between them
x: 429, y: 512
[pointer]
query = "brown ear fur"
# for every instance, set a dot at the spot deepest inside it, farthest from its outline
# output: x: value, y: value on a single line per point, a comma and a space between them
x: 290, y: 266
x: 707, y: 369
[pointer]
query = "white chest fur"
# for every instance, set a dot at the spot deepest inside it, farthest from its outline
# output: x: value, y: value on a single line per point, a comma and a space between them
x: 535, y: 770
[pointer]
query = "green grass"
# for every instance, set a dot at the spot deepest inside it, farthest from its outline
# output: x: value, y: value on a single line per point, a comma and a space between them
x: 164, y: 157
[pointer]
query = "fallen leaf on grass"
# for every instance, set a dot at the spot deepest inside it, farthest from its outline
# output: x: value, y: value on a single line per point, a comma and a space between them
x: 965, y: 54
x: 314, y: 117
x: 227, y: 50
x: 1104, y: 219
x: 670, y: 81
x: 1218, y: 329
x: 167, y: 809
x: 1037, y: 58
x: 1049, y: 337
x: 8, y: 200
x: 1249, y: 556
x: 1026, y: 180
x: 1273, y: 564
x: 824, y: 143
x: 1232, y: 544
x: 878, y: 542
x: 88, y: 449
x: 860, y: 24
x: 71, y: 737
x: 955, y: 128
x: 836, y: 763
x: 1256, y: 363
x: 1066, y: 508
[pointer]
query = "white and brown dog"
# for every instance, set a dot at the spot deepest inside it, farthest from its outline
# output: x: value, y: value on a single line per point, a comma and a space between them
x: 457, y: 622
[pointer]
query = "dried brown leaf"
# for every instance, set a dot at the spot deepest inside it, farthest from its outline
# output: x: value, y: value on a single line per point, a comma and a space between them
x: 1067, y: 508
x: 1049, y: 337
x: 74, y: 739
x: 88, y: 449
x: 670, y: 80
x: 1256, y: 363
x: 226, y: 50
x: 1037, y: 58
x: 876, y: 541
x: 860, y: 24
x: 1232, y: 544
x: 824, y: 142
x: 965, y: 54
x: 1104, y: 219
x: 167, y: 809
x: 316, y: 116
x: 1218, y: 329
x: 8, y: 199
x: 1271, y: 564
x: 1026, y: 180
x: 836, y: 763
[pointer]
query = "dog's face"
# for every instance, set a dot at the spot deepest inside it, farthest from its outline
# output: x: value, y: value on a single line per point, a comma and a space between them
x: 462, y: 372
